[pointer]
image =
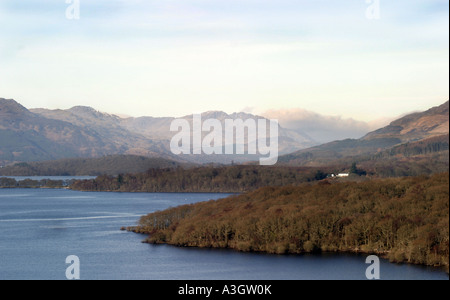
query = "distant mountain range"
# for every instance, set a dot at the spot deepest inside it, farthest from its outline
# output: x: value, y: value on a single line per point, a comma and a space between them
x: 419, y: 139
x: 41, y: 135
x: 82, y: 132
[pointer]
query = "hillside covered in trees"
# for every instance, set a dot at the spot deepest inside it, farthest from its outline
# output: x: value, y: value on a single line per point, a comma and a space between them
x: 404, y: 219
x: 423, y: 157
x: 242, y: 178
x: 202, y: 179
x: 419, y: 134
x: 426, y: 156
x: 106, y: 165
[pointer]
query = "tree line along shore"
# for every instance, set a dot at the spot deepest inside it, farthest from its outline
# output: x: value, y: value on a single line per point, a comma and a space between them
x: 207, y: 179
x: 9, y: 183
x: 290, y: 210
x: 403, y: 219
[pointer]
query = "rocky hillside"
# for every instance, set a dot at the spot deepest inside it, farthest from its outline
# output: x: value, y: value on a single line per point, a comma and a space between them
x: 25, y: 136
x: 417, y: 126
x: 43, y: 135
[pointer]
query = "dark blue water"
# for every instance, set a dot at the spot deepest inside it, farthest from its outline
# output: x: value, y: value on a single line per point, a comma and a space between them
x: 40, y: 228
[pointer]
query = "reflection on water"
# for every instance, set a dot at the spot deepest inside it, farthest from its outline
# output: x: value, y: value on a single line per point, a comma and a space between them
x: 40, y: 228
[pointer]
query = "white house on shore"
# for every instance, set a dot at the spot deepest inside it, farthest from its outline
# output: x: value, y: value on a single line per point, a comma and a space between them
x: 332, y: 175
x: 342, y: 175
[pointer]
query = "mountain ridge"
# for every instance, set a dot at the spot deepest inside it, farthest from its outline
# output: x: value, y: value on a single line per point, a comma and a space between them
x: 434, y: 121
x: 418, y: 126
x: 41, y: 134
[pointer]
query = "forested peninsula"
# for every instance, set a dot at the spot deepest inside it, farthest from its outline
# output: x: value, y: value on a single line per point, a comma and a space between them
x: 206, y: 179
x: 403, y: 219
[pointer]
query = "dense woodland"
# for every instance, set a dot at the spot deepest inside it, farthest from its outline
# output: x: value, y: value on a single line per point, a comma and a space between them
x: 427, y: 156
x: 109, y: 165
x: 243, y: 178
x: 30, y: 183
x: 422, y: 147
x: 407, y: 166
x: 204, y: 179
x: 410, y: 159
x: 405, y: 219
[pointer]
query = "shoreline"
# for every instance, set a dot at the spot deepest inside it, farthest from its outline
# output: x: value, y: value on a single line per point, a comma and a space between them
x: 404, y: 220
x: 380, y: 254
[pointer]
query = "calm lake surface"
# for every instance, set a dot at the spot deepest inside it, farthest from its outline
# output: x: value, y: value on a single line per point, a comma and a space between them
x: 40, y: 228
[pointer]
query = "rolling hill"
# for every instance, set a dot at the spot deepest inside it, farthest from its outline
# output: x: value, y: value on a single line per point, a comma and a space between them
x: 416, y: 138
x: 107, y: 165
x: 416, y: 126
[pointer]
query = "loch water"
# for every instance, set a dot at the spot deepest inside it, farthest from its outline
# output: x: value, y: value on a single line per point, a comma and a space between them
x: 40, y: 228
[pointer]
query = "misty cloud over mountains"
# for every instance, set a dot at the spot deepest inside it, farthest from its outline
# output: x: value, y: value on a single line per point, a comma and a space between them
x: 323, y: 128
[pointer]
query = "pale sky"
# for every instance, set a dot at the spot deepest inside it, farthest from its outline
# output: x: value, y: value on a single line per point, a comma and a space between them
x: 177, y: 57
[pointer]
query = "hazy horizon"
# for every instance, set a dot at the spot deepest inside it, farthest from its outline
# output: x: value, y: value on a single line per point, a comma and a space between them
x: 366, y: 61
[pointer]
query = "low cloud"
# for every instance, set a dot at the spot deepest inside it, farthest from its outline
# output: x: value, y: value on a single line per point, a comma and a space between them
x: 322, y: 128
